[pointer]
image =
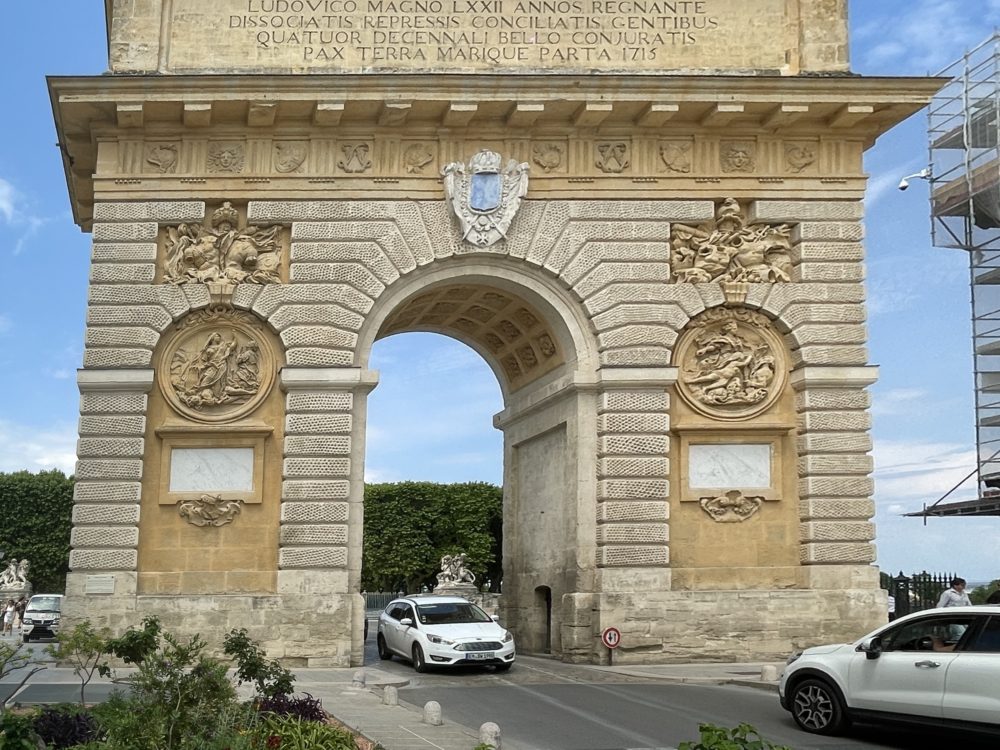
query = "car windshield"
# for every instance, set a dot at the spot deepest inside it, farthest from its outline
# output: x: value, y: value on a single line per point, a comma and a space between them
x: 450, y: 613
x: 44, y: 604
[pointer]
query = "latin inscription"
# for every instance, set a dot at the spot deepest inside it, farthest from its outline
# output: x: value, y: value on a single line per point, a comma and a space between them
x: 608, y: 34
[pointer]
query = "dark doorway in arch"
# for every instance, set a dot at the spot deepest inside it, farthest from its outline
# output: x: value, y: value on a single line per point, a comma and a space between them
x: 542, y: 618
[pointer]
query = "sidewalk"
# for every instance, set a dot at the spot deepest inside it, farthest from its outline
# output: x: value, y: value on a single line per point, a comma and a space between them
x: 398, y: 727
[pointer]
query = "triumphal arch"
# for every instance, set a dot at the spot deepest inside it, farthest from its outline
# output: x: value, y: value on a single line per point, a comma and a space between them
x: 645, y: 215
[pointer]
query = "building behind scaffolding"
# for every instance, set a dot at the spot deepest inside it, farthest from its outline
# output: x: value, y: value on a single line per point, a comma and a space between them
x: 964, y: 134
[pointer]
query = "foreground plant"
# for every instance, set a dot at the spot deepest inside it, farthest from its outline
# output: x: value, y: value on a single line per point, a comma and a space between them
x: 252, y: 665
x: 83, y: 648
x: 293, y: 733
x: 742, y: 737
x: 14, y: 659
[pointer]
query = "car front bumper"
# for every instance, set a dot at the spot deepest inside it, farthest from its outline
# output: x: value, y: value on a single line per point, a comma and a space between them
x: 43, y: 629
x: 440, y: 655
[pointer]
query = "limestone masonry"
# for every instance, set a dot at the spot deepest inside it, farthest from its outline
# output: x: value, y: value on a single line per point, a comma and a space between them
x: 645, y: 216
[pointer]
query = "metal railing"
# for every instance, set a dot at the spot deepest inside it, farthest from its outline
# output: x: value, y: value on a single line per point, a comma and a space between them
x: 916, y: 592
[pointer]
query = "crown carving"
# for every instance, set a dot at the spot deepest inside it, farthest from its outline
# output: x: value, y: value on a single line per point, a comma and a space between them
x: 486, y: 161
x: 225, y: 214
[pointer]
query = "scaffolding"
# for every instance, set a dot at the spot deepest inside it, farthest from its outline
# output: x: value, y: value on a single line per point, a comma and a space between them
x: 964, y: 135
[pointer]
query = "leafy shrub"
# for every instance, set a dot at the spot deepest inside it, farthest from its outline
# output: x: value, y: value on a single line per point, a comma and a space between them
x: 292, y: 733
x: 270, y: 678
x: 65, y: 726
x: 743, y: 737
x: 304, y: 707
x: 17, y: 732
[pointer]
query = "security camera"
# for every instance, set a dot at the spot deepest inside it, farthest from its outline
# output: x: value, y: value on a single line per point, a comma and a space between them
x: 923, y: 174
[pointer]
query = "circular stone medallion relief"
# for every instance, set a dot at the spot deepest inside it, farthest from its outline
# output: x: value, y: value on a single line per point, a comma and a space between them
x: 217, y: 367
x: 732, y: 364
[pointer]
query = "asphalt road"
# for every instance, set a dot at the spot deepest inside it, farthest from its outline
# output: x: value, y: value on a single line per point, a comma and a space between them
x: 544, y: 704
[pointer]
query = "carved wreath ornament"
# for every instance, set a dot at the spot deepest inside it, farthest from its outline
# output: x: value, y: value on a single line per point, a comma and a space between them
x: 731, y: 363
x: 731, y: 507
x: 210, y: 510
x: 217, y: 367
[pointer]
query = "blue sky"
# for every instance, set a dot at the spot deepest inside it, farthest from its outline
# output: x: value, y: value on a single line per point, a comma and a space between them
x: 431, y: 416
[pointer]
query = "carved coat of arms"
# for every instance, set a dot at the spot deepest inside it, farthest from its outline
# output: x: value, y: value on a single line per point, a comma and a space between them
x: 485, y: 195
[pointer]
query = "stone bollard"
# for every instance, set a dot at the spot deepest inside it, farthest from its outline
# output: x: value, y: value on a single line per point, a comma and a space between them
x: 768, y: 673
x: 489, y: 734
x: 390, y: 696
x: 359, y: 679
x: 432, y: 713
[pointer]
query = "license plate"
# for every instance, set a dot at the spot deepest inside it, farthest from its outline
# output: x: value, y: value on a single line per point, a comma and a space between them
x: 480, y: 655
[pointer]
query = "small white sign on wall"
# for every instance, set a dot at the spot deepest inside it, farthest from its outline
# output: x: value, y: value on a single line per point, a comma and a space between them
x: 211, y: 470
x: 100, y: 584
x: 729, y: 465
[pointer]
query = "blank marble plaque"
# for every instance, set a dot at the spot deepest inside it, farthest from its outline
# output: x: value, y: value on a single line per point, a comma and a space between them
x: 730, y: 465
x: 211, y: 470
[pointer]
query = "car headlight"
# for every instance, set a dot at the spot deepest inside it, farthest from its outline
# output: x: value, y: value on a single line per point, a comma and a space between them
x: 793, y: 657
x: 439, y: 640
x: 507, y: 637
x: 28, y: 621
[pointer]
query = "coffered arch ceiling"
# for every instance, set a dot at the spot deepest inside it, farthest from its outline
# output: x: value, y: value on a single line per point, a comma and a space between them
x: 510, y: 332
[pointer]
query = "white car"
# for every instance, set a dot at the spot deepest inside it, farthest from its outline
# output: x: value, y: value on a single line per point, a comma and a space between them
x: 939, y: 667
x: 41, y: 617
x: 443, y: 631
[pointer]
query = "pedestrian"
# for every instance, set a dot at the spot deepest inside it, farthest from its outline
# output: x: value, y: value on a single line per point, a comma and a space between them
x: 892, y: 608
x: 8, y: 618
x: 955, y: 596
x: 19, y: 608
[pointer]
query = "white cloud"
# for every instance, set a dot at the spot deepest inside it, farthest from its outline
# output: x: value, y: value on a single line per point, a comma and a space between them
x: 897, y: 400
x: 34, y: 448
x: 14, y: 211
x: 7, y: 194
x: 913, y: 473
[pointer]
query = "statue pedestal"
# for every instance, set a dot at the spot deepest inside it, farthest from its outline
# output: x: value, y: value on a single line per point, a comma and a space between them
x: 467, y: 590
x: 15, y: 593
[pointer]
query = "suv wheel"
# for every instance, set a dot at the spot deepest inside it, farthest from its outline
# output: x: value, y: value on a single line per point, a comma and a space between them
x: 383, y: 651
x: 419, y: 665
x: 817, y: 707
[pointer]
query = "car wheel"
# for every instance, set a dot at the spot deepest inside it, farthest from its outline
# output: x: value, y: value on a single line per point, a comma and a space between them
x: 383, y: 651
x: 505, y: 667
x: 817, y: 707
x: 419, y: 665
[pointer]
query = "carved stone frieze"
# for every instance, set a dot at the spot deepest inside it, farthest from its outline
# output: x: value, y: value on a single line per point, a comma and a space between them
x: 548, y: 156
x: 210, y: 510
x: 226, y: 157
x: 738, y: 156
x: 732, y: 363
x: 730, y: 250
x: 289, y: 156
x: 221, y: 252
x: 161, y: 158
x: 217, y: 367
x: 799, y: 157
x: 485, y: 195
x: 676, y: 156
x: 731, y: 507
x: 612, y: 158
x: 416, y: 157
x: 355, y: 159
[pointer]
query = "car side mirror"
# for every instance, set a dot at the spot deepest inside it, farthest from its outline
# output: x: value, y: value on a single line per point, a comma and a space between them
x: 407, y: 622
x: 872, y: 647
x: 495, y: 618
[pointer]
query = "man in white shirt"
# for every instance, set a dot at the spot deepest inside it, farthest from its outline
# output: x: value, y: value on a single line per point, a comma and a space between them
x: 955, y: 596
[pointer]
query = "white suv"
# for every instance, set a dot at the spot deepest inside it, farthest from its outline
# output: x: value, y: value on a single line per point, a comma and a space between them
x: 940, y: 667
x: 443, y: 631
x: 41, y: 617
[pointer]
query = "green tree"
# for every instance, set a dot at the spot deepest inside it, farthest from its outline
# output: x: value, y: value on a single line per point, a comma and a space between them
x: 409, y: 526
x: 35, y: 522
x: 979, y: 594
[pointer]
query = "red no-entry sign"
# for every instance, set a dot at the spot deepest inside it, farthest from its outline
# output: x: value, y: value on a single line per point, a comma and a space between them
x: 611, y: 637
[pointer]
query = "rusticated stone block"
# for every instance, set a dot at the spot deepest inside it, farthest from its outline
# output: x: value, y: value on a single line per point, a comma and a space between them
x: 593, y: 253
x: 122, y: 273
x: 845, y: 486
x: 109, y: 447
x: 354, y: 274
x: 793, y: 212
x: 106, y: 515
x: 835, y: 463
x: 317, y: 467
x: 159, y: 211
x: 837, y: 531
x: 634, y: 466
x: 153, y: 316
x: 833, y: 442
x: 369, y: 254
x: 828, y: 273
x: 318, y: 336
x: 653, y: 400
x: 611, y: 511
x: 315, y: 489
x: 827, y: 354
x: 317, y: 424
x: 628, y: 445
x: 315, y: 357
x: 124, y: 469
x: 671, y: 315
x: 314, y: 534
x: 620, y: 293
x: 111, y: 425
x: 113, y: 358
x: 124, y: 252
x: 833, y: 398
x: 130, y: 232
x: 615, y: 489
x: 832, y: 231
x: 312, y: 557
x: 824, y: 333
x: 274, y: 296
x: 797, y: 315
x: 822, y: 508
x: 836, y: 421
x: 113, y: 403
x: 325, y: 401
x: 632, y: 556
x: 317, y: 445
x: 828, y: 252
x: 636, y: 356
x: 317, y: 315
x: 103, y: 559
x: 832, y: 553
x: 319, y: 513
x: 106, y: 492
x: 632, y: 533
x: 104, y: 536
x: 633, y: 422
x: 122, y: 337
x: 637, y: 336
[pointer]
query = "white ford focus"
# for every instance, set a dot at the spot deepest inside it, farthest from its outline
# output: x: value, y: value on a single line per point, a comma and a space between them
x: 443, y: 631
x: 939, y: 667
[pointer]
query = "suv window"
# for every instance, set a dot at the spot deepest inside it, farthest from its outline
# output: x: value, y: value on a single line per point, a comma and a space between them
x: 989, y: 637
x: 44, y: 604
x: 407, y: 612
x: 928, y: 634
x: 395, y: 611
x: 446, y: 613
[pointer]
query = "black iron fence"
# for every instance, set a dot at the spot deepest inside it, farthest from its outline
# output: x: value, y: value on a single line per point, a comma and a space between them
x: 916, y: 591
